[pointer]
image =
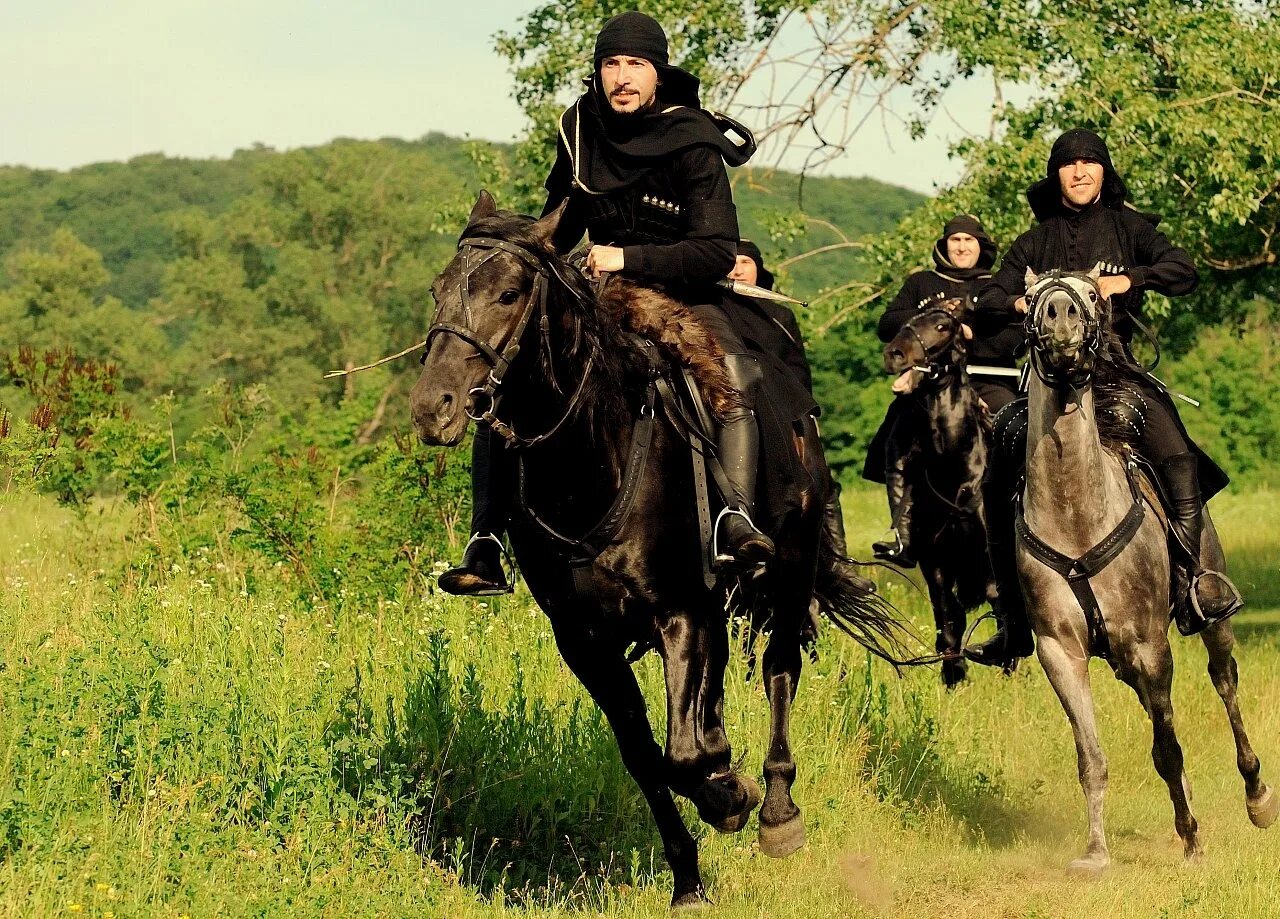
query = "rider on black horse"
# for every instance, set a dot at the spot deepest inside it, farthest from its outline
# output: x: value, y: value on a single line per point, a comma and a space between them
x: 788, y: 348
x: 1084, y: 223
x: 962, y: 257
x: 643, y: 168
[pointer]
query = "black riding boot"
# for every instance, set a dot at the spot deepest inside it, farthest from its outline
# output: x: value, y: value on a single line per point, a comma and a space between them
x: 1013, y: 638
x: 737, y: 541
x: 1209, y: 595
x: 836, y: 544
x: 896, y: 546
x: 480, y: 574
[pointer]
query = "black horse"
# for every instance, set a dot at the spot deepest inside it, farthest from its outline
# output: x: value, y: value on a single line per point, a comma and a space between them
x: 948, y: 524
x: 606, y: 530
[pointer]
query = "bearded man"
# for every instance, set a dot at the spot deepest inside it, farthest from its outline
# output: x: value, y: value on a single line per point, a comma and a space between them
x: 642, y: 168
x: 1085, y: 222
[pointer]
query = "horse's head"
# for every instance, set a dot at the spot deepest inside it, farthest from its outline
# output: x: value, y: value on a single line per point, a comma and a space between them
x: 929, y: 341
x: 485, y: 298
x: 1066, y: 315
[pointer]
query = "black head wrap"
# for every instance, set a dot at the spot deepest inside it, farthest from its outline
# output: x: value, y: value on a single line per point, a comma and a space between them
x: 1045, y: 197
x: 764, y: 277
x: 638, y: 35
x: 609, y: 151
x: 987, y: 251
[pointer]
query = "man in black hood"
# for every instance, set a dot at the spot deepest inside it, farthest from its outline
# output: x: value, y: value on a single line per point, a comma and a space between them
x: 962, y: 257
x: 1084, y: 222
x: 642, y: 167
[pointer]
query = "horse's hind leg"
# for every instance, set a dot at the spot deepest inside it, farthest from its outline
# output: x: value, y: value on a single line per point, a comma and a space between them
x: 1068, y: 672
x: 781, y: 825
x: 612, y: 684
x: 1148, y: 668
x: 1261, y: 801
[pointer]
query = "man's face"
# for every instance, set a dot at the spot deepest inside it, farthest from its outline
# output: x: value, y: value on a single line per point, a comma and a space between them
x: 1081, y: 181
x: 629, y: 83
x: 744, y: 270
x: 963, y: 250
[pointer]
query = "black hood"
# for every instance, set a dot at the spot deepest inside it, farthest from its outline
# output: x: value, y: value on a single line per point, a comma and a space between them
x: 608, y: 151
x: 987, y: 251
x: 1045, y: 196
x: 635, y: 34
x: 764, y: 277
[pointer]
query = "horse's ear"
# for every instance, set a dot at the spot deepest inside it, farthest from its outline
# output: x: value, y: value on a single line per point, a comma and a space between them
x: 544, y: 230
x: 484, y: 207
x: 1096, y: 271
x: 1031, y: 278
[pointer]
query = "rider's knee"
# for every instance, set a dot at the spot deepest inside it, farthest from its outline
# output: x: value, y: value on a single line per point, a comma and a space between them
x: 745, y: 375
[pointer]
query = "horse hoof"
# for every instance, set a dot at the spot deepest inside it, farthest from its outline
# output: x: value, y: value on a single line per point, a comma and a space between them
x: 1089, y: 867
x: 688, y: 902
x: 1265, y: 811
x: 784, y: 839
x: 735, y: 822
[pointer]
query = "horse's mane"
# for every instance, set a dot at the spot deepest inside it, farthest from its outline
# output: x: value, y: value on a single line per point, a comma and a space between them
x: 605, y: 321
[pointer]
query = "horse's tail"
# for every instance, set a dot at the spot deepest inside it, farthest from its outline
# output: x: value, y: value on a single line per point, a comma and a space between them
x: 857, y: 610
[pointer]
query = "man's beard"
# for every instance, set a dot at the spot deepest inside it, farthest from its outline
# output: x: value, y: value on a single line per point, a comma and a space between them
x: 639, y: 110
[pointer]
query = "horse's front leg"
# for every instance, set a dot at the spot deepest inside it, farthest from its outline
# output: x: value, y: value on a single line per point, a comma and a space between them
x: 609, y: 679
x: 948, y: 620
x: 1066, y: 663
x: 781, y: 825
x: 695, y: 651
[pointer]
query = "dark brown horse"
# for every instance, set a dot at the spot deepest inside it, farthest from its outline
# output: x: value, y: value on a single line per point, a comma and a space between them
x: 948, y: 525
x: 606, y: 531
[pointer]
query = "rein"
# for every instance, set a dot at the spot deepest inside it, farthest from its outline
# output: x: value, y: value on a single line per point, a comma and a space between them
x: 487, y: 394
x: 933, y: 369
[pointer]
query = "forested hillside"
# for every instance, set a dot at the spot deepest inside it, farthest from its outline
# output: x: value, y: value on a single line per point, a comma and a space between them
x: 269, y: 268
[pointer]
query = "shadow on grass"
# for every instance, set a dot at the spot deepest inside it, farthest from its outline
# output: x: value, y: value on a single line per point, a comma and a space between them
x: 906, y: 764
x: 512, y: 794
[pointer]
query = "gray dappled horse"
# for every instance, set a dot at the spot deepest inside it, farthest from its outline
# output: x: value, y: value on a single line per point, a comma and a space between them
x: 1081, y: 500
x: 948, y: 524
x: 605, y: 528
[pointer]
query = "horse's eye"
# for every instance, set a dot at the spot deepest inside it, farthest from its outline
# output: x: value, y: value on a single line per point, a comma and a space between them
x: 1093, y: 296
x: 509, y: 297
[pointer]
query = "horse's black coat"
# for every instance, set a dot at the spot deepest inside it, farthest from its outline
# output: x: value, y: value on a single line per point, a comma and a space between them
x: 948, y: 526
x: 645, y: 587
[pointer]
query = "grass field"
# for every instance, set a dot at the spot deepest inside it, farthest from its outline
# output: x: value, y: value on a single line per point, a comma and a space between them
x: 183, y: 735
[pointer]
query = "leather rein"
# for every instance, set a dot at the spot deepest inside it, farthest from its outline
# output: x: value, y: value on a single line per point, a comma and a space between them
x: 483, y: 400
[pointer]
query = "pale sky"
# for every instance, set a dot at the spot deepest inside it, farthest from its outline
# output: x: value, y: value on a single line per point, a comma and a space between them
x: 83, y: 82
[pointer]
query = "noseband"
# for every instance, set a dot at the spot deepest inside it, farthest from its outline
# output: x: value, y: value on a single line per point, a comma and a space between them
x: 933, y: 368
x: 487, y: 394
x: 1039, y: 341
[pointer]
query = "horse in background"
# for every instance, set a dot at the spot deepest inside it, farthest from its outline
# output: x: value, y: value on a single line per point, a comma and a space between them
x: 606, y: 530
x: 1094, y: 562
x: 950, y: 432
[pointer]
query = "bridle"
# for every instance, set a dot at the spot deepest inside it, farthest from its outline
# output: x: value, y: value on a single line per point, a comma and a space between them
x: 937, y: 364
x: 1094, y: 320
x: 482, y: 400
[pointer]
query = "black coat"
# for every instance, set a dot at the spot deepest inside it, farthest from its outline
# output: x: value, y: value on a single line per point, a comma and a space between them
x: 1119, y: 238
x: 997, y: 339
x: 676, y: 224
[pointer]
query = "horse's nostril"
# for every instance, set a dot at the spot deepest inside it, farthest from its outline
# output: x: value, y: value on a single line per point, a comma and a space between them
x: 444, y: 408
x: 1053, y: 311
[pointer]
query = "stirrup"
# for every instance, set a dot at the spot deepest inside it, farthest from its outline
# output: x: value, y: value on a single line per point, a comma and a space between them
x: 1201, y: 621
x: 722, y: 559
x: 508, y: 585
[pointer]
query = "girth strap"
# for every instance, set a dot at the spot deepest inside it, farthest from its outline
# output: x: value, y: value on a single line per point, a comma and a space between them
x: 1078, y: 571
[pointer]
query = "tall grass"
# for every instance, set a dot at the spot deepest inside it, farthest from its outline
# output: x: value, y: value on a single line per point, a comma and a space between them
x: 204, y: 739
